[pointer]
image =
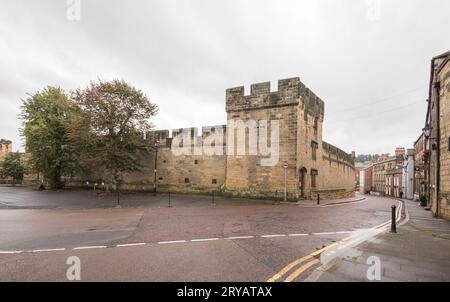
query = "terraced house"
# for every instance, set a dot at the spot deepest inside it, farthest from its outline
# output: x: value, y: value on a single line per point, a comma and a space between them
x: 437, y: 137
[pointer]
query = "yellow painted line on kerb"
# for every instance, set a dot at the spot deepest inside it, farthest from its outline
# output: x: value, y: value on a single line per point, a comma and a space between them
x: 311, y: 263
x: 303, y: 268
x: 288, y: 267
x: 291, y: 265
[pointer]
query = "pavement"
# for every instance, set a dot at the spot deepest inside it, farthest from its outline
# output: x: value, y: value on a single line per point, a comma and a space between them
x: 145, y: 240
x: 419, y: 251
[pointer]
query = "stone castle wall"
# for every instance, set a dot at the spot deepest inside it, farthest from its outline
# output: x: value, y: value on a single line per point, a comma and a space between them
x: 299, y: 114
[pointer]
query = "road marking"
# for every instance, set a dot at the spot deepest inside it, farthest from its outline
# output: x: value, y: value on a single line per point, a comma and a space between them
x: 240, y: 237
x: 303, y: 268
x: 48, y: 250
x: 324, y: 233
x: 206, y: 239
x: 90, y: 247
x: 272, y: 236
x: 382, y: 227
x: 174, y: 241
x: 288, y: 267
x: 169, y: 242
x: 11, y: 252
x: 131, y: 244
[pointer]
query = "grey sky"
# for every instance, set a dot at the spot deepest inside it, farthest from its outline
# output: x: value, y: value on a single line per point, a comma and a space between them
x: 371, y: 70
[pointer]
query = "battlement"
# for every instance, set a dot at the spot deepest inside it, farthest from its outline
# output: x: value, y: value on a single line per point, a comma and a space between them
x: 290, y: 92
x: 165, y: 140
x: 5, y: 142
x: 340, y: 155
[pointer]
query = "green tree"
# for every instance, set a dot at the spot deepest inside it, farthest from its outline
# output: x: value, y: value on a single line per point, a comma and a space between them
x: 12, y: 167
x: 46, y: 116
x: 108, y: 134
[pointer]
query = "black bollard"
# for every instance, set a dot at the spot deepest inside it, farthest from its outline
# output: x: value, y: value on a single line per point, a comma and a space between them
x: 393, y: 222
x: 169, y: 199
x: 318, y: 199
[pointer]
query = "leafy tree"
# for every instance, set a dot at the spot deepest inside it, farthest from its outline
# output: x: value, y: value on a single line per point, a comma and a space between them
x: 108, y: 133
x: 46, y: 115
x: 13, y: 167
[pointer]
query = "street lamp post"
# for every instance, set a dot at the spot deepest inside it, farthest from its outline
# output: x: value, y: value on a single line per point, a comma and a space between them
x: 156, y: 163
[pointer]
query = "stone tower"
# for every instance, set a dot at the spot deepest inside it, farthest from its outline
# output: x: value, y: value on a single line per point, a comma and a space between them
x: 300, y: 114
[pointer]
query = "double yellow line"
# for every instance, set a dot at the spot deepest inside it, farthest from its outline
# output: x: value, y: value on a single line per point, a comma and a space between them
x: 314, y: 258
x: 310, y: 260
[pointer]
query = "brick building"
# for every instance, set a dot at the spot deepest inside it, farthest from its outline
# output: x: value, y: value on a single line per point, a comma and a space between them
x: 304, y: 163
x: 368, y: 180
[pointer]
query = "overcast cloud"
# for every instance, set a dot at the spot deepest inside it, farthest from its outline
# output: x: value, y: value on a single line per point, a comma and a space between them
x: 371, y: 70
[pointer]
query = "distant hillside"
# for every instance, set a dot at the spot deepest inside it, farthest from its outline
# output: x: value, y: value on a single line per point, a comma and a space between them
x: 361, y: 158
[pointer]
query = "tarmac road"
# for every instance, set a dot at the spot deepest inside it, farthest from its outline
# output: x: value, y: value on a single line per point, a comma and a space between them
x: 147, y: 241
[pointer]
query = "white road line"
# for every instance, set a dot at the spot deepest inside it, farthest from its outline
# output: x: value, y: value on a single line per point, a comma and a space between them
x: 47, y: 250
x: 131, y: 244
x: 271, y: 236
x: 324, y: 233
x: 178, y: 241
x: 11, y: 252
x: 240, y: 237
x: 297, y: 235
x: 169, y: 242
x: 207, y: 239
x: 90, y: 247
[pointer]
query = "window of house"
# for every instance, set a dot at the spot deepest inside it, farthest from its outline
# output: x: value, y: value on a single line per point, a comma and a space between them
x: 160, y: 178
x: 196, y: 162
x: 214, y: 181
x: 314, y: 147
x: 186, y: 180
x: 314, y: 174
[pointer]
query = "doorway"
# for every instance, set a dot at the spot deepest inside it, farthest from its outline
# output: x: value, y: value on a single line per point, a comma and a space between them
x: 301, y: 182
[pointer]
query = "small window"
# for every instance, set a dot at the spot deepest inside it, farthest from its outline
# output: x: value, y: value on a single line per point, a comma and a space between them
x: 164, y: 161
x: 160, y: 178
x: 214, y: 181
x: 314, y: 174
x: 186, y: 180
x: 314, y: 147
x: 196, y: 162
x: 316, y: 125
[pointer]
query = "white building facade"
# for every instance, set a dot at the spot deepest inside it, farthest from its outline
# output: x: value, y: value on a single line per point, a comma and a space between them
x: 408, y: 175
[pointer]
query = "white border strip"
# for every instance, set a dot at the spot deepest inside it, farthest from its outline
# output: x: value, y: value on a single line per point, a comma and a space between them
x: 90, y: 247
